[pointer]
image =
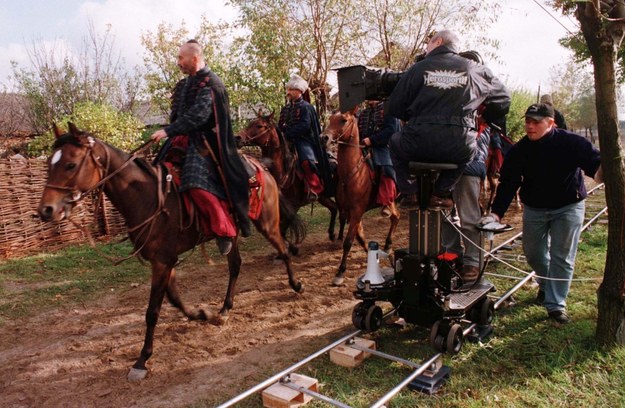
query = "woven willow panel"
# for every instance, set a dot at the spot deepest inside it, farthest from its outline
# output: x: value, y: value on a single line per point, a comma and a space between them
x: 23, y: 233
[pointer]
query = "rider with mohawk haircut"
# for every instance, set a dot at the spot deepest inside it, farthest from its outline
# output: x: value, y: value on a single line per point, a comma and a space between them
x: 213, y: 173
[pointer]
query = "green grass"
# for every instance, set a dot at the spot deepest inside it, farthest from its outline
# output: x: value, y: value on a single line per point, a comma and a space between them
x: 38, y: 283
x: 528, y: 362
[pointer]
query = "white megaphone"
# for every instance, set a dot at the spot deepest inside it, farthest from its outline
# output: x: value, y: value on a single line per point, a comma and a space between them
x: 374, y: 274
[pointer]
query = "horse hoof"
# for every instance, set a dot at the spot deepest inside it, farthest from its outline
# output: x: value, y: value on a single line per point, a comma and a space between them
x: 338, y: 281
x: 136, y: 374
x: 299, y: 288
x: 206, y: 315
x: 219, y: 320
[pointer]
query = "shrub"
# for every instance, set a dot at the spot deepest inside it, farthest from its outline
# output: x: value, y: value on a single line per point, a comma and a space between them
x: 119, y: 129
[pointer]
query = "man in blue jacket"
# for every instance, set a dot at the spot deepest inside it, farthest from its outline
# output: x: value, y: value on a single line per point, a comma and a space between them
x: 375, y: 129
x: 437, y: 98
x: 547, y: 166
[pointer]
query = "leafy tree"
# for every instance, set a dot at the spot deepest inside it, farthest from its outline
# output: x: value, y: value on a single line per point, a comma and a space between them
x: 515, y: 123
x: 574, y: 95
x: 602, y: 26
x: 104, y: 121
x: 57, y: 80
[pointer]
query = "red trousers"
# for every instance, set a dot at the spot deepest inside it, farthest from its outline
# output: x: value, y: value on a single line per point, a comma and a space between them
x: 214, y: 214
x: 313, y: 182
x: 386, y: 190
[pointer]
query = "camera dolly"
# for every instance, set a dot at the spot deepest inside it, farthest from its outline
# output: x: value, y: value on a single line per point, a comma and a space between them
x: 424, y: 284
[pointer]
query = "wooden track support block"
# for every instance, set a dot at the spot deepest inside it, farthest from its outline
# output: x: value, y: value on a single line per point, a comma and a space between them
x: 347, y: 356
x: 281, y: 396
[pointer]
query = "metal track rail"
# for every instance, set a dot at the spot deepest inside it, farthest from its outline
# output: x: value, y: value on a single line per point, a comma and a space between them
x: 420, y: 368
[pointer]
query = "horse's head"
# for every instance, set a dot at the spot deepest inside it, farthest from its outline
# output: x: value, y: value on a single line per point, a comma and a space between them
x: 72, y: 170
x: 342, y: 128
x: 260, y: 131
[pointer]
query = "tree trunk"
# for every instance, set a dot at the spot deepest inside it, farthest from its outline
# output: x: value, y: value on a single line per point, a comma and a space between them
x: 611, y: 292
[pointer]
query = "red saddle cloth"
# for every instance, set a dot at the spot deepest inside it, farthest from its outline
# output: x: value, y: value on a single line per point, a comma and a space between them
x: 256, y: 186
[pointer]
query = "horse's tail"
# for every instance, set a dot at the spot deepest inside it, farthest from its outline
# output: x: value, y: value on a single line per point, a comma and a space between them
x: 291, y: 225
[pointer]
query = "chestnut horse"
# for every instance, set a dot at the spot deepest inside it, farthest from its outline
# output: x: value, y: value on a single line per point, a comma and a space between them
x: 356, y: 190
x: 158, y: 224
x: 264, y: 133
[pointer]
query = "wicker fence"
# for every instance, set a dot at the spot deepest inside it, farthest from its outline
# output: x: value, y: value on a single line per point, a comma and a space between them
x: 21, y: 230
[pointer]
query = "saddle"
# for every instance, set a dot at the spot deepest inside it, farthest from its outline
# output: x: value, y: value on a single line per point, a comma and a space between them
x: 173, y: 163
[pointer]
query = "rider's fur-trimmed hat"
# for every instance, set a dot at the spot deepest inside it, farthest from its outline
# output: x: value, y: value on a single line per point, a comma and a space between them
x: 297, y: 82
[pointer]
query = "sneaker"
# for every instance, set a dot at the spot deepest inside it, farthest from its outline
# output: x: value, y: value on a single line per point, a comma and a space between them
x: 440, y: 203
x: 470, y: 273
x: 385, y: 212
x: 559, y: 316
x: 224, y: 244
x: 540, y: 297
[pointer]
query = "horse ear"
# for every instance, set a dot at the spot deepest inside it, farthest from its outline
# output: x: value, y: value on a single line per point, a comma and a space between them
x: 57, y: 132
x: 354, y: 111
x: 271, y: 115
x: 72, y: 128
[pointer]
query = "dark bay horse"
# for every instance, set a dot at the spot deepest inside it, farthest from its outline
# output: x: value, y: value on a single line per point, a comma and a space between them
x: 264, y: 133
x: 155, y: 215
x: 356, y: 190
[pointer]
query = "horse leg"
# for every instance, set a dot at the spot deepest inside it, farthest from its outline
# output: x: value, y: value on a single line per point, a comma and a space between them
x: 234, y: 267
x: 347, y: 246
x: 394, y: 222
x: 331, y: 206
x: 360, y: 237
x: 174, y: 299
x: 160, y: 280
x: 342, y: 223
x: 272, y: 235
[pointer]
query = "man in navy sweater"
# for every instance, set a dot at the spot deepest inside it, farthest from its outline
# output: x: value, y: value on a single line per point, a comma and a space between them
x: 547, y: 166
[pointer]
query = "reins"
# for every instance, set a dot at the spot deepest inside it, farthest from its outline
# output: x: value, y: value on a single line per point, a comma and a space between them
x: 362, y: 158
x: 105, y: 176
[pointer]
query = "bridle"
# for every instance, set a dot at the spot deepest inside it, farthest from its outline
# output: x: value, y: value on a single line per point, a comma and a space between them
x: 349, y: 132
x: 105, y: 175
x: 249, y: 138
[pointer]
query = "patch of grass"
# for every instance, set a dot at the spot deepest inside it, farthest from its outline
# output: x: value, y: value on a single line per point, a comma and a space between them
x: 33, y: 284
x: 37, y: 283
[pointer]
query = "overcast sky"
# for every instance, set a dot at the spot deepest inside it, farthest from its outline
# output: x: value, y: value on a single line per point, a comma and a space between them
x: 528, y: 34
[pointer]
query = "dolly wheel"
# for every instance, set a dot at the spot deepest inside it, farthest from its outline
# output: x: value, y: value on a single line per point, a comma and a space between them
x: 455, y: 338
x: 358, y: 316
x: 487, y: 312
x: 373, y: 321
x: 437, y: 341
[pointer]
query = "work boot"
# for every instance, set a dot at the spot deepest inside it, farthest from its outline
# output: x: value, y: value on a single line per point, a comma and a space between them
x: 470, y: 273
x: 440, y: 203
x: 386, y: 211
x: 559, y: 316
x: 224, y: 244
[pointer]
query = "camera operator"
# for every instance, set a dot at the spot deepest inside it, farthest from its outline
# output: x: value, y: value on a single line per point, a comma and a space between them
x: 437, y: 98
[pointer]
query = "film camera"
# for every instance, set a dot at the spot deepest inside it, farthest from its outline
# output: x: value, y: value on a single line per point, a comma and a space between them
x: 358, y: 83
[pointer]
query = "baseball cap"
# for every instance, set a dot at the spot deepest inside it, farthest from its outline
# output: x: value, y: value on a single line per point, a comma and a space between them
x: 539, y: 111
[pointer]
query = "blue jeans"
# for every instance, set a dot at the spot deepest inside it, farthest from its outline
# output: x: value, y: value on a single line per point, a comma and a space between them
x: 550, y: 240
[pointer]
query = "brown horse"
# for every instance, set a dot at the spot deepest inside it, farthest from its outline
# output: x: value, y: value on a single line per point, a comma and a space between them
x: 264, y: 133
x: 356, y: 190
x: 157, y: 221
